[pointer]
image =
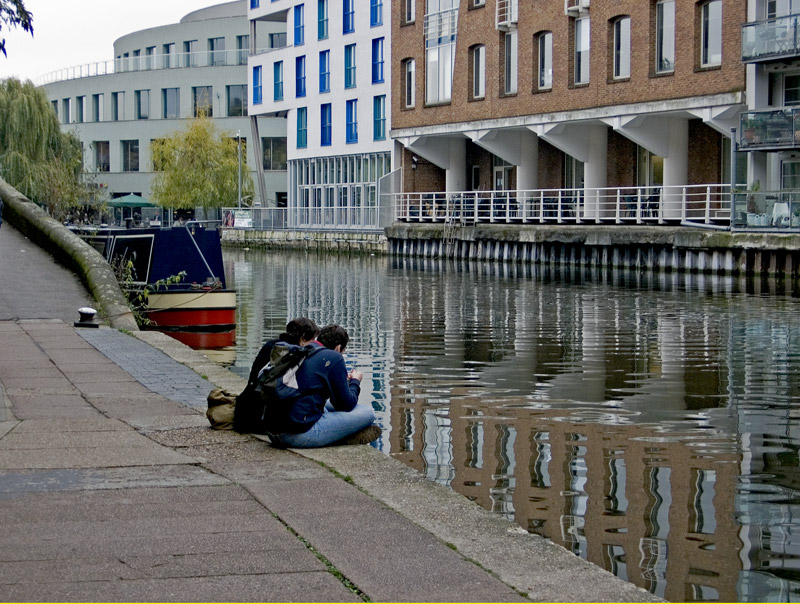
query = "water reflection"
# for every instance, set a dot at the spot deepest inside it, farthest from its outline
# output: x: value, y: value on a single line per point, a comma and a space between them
x: 645, y: 422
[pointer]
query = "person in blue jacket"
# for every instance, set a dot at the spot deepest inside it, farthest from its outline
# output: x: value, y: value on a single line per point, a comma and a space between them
x: 327, y: 411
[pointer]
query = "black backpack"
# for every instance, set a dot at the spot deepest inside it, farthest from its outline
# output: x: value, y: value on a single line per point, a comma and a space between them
x: 265, y: 406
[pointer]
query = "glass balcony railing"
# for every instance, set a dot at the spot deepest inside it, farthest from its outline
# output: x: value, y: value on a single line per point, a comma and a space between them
x: 770, y: 129
x: 770, y: 39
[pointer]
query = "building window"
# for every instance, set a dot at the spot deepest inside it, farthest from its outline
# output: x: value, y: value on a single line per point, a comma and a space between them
x: 258, y: 82
x: 478, y: 71
x: 216, y: 50
x: 55, y: 107
x: 66, y: 107
x: 80, y: 109
x: 142, y: 99
x: 237, y: 96
x: 349, y: 22
x: 582, y: 44
x: 277, y: 74
x: 377, y: 60
x: 375, y: 13
x: 325, y: 71
x: 545, y: 63
x: 117, y: 106
x: 510, y: 79
x: 350, y: 66
x: 168, y: 57
x: 299, y: 26
x: 379, y: 118
x: 97, y: 107
x: 409, y: 10
x: 322, y: 19
x: 439, y: 73
x: 409, y: 96
x: 101, y: 162
x: 300, y: 76
x: 622, y: 48
x: 254, y: 3
x: 274, y: 151
x: 130, y: 156
x: 150, y: 57
x: 277, y: 40
x: 171, y: 103
x: 242, y: 49
x: 351, y: 135
x: 478, y: 3
x: 190, y: 53
x: 201, y: 101
x: 665, y: 36
x: 711, y: 42
x: 325, y: 124
x: 302, y: 128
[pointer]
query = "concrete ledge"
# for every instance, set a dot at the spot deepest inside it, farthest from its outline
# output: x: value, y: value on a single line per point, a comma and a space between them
x: 71, y: 251
x: 348, y: 242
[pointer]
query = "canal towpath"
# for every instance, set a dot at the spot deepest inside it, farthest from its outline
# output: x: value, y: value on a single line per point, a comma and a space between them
x: 113, y: 487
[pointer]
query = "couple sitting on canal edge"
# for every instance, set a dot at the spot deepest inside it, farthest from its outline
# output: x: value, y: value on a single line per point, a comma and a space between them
x: 324, y: 409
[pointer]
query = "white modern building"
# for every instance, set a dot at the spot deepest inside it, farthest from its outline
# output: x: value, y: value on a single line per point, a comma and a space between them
x: 331, y: 80
x: 157, y: 81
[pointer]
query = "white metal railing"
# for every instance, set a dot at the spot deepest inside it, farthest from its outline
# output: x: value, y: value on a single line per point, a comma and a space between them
x: 507, y: 13
x: 701, y: 204
x: 336, y: 218
x: 441, y: 25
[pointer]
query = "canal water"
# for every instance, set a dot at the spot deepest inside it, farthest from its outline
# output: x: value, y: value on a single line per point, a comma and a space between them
x: 646, y: 422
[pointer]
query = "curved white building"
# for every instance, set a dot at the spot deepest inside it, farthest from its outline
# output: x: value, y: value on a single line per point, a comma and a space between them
x: 156, y: 82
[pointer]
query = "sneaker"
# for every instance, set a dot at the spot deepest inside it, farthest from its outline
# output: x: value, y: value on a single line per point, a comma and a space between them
x: 362, y: 437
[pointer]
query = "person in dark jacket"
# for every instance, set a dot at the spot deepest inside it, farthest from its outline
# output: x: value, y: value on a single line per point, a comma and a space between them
x: 328, y: 411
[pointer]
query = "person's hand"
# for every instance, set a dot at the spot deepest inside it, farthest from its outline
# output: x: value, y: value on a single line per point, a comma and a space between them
x: 355, y: 374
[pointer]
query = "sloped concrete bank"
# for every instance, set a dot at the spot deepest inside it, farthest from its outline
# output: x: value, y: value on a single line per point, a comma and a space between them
x: 71, y: 251
x: 660, y: 248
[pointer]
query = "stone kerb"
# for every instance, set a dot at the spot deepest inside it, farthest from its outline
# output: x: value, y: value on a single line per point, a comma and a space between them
x: 72, y: 251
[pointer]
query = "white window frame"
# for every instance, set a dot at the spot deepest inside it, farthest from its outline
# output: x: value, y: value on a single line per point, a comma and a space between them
x: 410, y: 10
x: 410, y: 82
x: 583, y: 45
x: 479, y: 72
x: 622, y: 48
x: 510, y: 75
x: 545, y: 75
x: 711, y: 34
x: 665, y: 36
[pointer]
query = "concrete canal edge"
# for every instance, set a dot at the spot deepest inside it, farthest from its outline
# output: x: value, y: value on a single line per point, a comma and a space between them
x: 71, y: 251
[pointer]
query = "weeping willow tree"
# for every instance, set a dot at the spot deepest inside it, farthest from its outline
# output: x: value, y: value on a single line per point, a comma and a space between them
x: 198, y: 167
x: 36, y: 158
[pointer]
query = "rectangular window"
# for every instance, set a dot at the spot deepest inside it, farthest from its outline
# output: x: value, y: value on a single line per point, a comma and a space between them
x: 277, y: 40
x: 711, y: 54
x: 242, y: 49
x: 55, y: 107
x: 117, y: 106
x: 409, y: 12
x: 409, y: 68
x: 325, y: 71
x: 258, y: 82
x: 190, y: 53
x: 101, y: 161
x: 216, y: 50
x: 665, y: 36
x: 377, y: 60
x: 511, y: 63
x: 379, y: 118
x: 274, y: 150
x: 299, y: 25
x: 325, y: 119
x: 136, y: 64
x: 168, y: 58
x: 171, y: 103
x: 545, y: 61
x: 97, y: 107
x: 300, y: 76
x: 130, y: 156
x: 350, y: 66
x: 66, y: 107
x: 237, y: 97
x: 351, y: 134
x: 322, y: 19
x: 479, y: 72
x: 349, y: 21
x: 277, y: 74
x: 142, y: 98
x: 375, y: 13
x: 302, y: 128
x: 622, y: 48
x: 80, y: 109
x: 582, y: 41
x: 201, y: 101
x: 254, y: 3
x: 150, y: 57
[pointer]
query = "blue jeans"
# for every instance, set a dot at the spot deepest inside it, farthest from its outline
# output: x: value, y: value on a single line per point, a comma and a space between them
x: 332, y: 426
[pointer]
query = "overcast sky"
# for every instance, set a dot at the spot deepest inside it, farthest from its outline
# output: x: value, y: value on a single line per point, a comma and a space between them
x: 73, y: 32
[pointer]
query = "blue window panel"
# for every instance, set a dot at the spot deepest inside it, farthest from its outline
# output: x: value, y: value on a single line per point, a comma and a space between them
x: 302, y: 128
x: 322, y: 19
x: 375, y: 12
x: 277, y: 70
x: 325, y: 124
x: 299, y: 26
x: 349, y: 17
x: 350, y: 66
x: 351, y: 135
x: 379, y: 118
x: 300, y: 76
x: 325, y: 71
x: 377, y: 60
x: 257, y: 85
x: 253, y: 3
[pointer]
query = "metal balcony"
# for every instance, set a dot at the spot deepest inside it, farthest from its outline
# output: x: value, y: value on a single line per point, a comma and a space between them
x: 770, y: 40
x: 507, y: 14
x: 573, y: 8
x: 770, y: 130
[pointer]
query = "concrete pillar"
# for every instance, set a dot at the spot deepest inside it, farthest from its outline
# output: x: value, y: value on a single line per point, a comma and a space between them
x: 528, y: 168
x: 676, y: 168
x: 595, y: 172
x: 456, y: 173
